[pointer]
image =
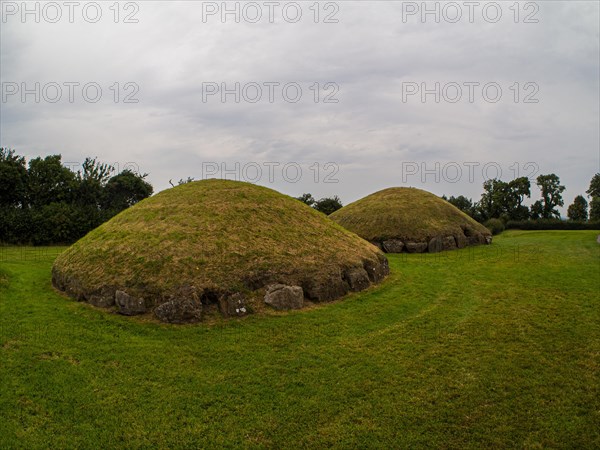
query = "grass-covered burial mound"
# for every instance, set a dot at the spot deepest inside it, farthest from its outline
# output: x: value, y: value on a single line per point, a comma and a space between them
x: 411, y: 220
x: 216, y: 245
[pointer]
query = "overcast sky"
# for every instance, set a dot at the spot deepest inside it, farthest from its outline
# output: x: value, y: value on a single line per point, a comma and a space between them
x: 365, y: 63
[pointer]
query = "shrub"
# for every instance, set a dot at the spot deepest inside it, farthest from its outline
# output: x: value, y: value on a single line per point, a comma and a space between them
x: 15, y: 225
x: 328, y: 205
x: 48, y: 203
x: 496, y: 226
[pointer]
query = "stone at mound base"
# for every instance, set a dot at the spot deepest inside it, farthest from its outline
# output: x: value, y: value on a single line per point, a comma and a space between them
x: 183, y: 307
x: 234, y: 305
x: 214, y: 246
x: 325, y: 289
x: 392, y: 246
x: 377, y: 270
x: 435, y: 245
x: 128, y: 305
x: 282, y: 297
x: 416, y: 247
x: 105, y: 298
x: 411, y: 220
x: 461, y: 241
x: 357, y: 278
x: 438, y: 244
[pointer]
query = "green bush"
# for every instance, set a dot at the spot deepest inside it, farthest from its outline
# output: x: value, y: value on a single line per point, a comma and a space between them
x: 496, y: 226
x: 56, y: 223
x: 48, y: 203
x: 63, y: 223
x: 15, y: 225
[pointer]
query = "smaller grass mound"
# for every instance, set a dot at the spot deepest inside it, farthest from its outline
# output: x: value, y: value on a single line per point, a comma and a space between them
x: 411, y: 220
x: 216, y: 245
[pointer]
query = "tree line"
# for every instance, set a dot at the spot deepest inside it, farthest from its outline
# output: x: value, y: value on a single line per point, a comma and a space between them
x: 504, y: 200
x: 326, y: 205
x: 43, y: 202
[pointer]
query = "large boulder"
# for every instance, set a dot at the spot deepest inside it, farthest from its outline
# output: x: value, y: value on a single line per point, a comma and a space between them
x: 183, y: 306
x: 377, y: 270
x: 104, y: 298
x: 283, y: 298
x: 324, y: 289
x: 416, y: 247
x: 477, y: 238
x: 439, y: 244
x: 461, y: 240
x: 357, y: 278
x: 179, y: 311
x: 234, y: 305
x: 128, y: 305
x: 435, y: 245
x: 392, y: 246
x: 448, y: 243
x: 70, y: 285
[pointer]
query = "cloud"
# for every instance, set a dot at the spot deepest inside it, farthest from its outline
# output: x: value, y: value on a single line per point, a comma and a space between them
x: 370, y: 134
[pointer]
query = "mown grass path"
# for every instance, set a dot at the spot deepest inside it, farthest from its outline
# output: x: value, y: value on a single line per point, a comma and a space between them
x: 494, y: 346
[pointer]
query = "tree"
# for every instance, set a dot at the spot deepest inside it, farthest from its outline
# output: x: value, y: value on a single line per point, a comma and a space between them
x: 491, y: 203
x: 91, y: 181
x: 126, y: 189
x: 49, y: 181
x: 461, y: 202
x: 328, y: 205
x: 537, y: 210
x: 45, y: 202
x: 578, y: 209
x: 62, y: 223
x: 307, y: 198
x: 595, y: 209
x: 13, y: 178
x: 551, y: 195
x: 15, y: 225
x: 517, y: 190
x: 503, y: 200
x: 594, y: 192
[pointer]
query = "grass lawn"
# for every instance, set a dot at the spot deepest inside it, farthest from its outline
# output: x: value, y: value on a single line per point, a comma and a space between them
x: 494, y: 346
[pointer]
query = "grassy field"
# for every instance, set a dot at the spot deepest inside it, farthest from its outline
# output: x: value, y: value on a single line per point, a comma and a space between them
x: 493, y: 346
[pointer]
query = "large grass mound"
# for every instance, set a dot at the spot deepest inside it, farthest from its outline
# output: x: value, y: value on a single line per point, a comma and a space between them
x: 412, y: 220
x: 216, y: 244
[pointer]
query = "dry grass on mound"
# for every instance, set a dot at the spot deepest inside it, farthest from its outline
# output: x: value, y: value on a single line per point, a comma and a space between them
x: 216, y: 234
x: 404, y: 213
